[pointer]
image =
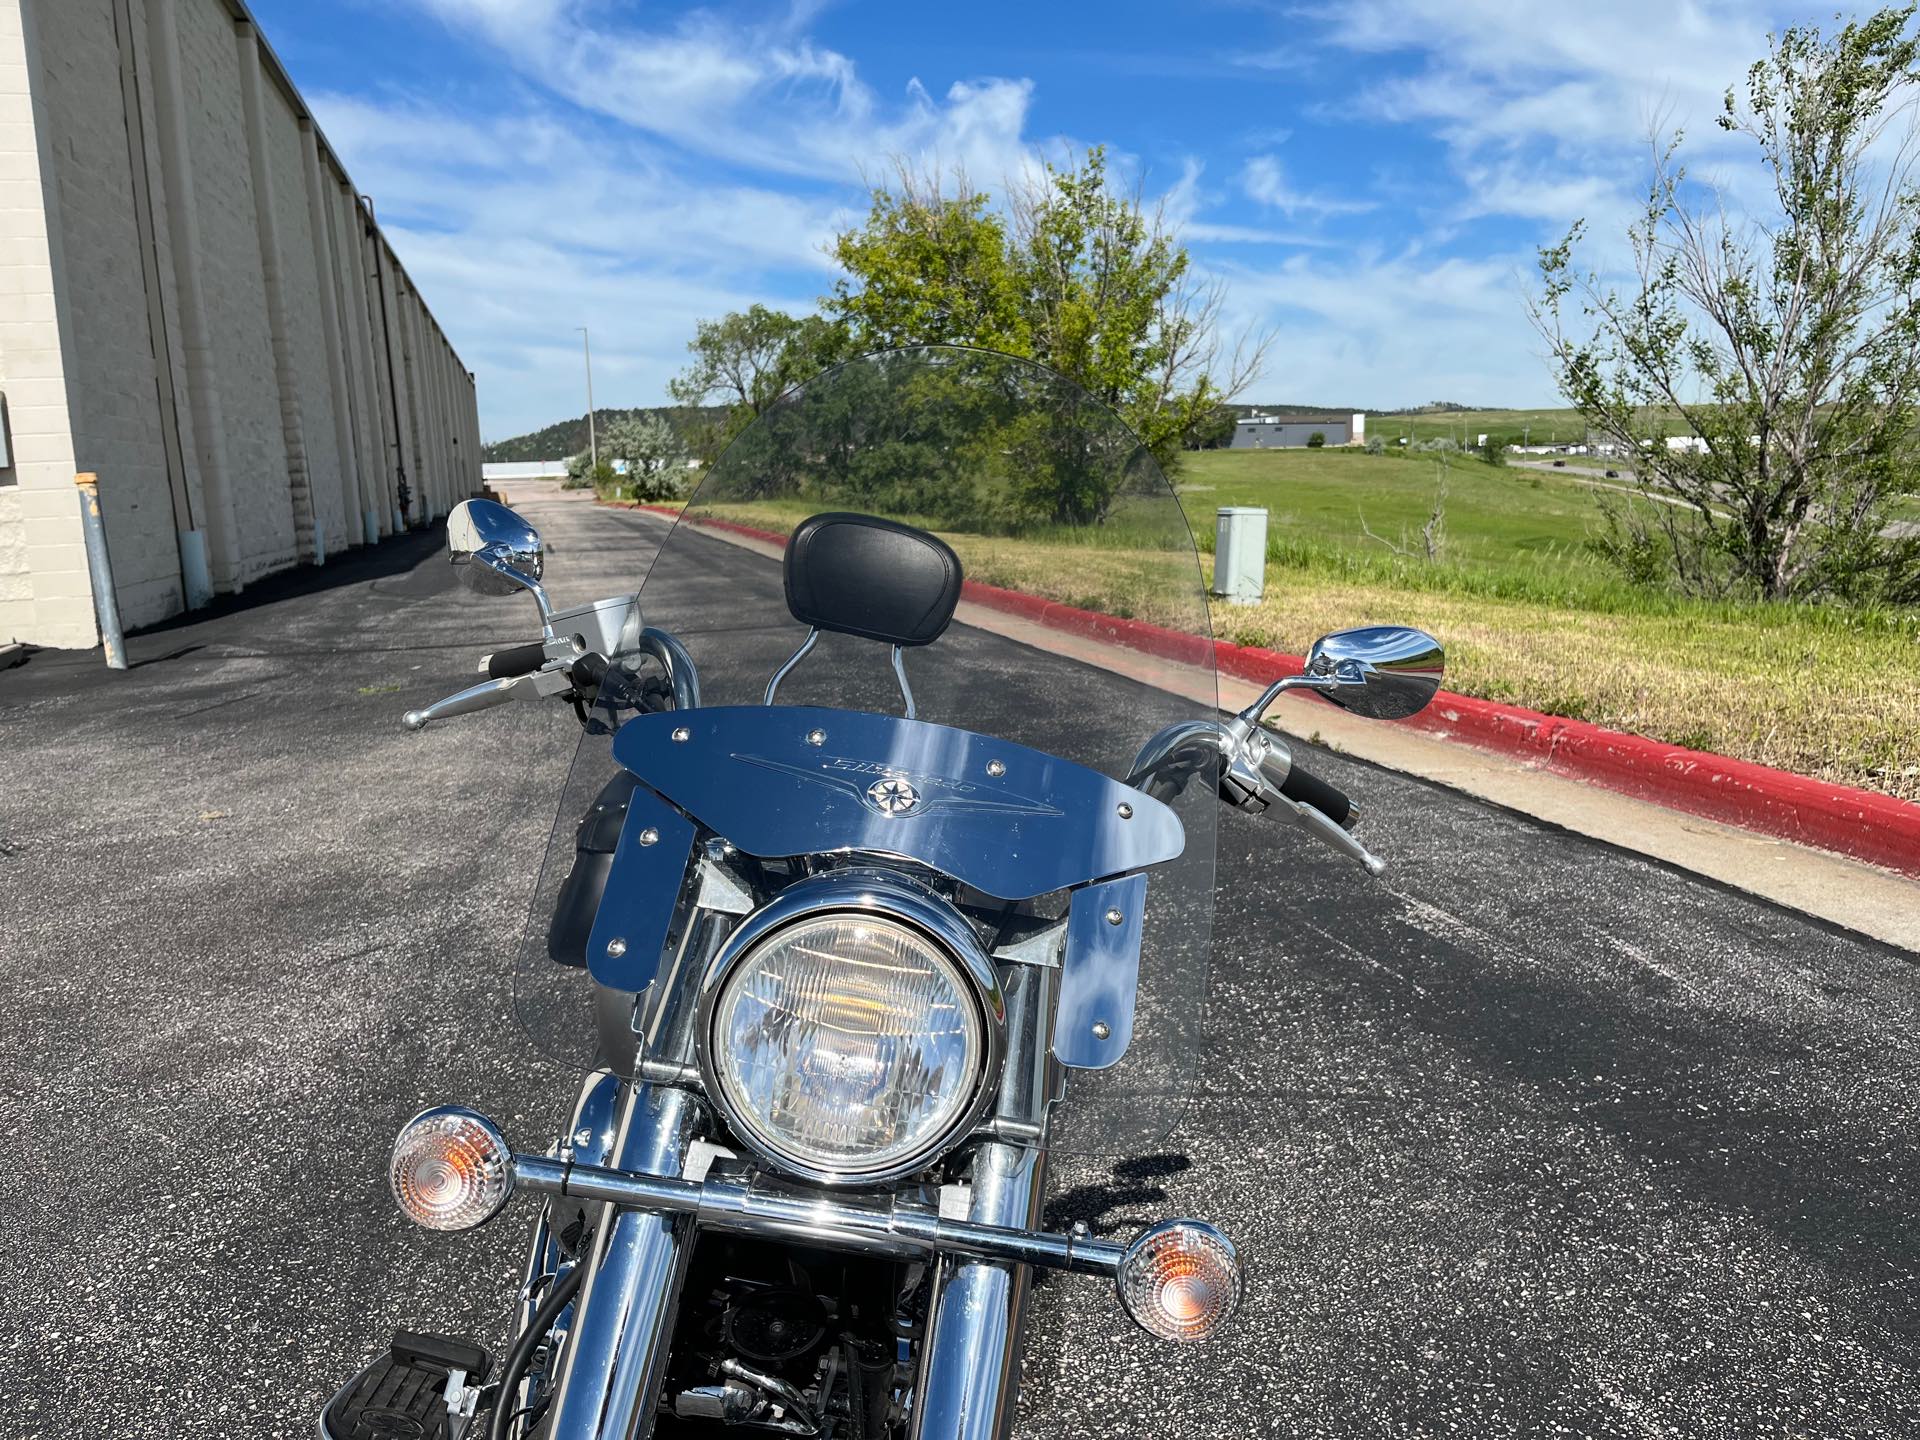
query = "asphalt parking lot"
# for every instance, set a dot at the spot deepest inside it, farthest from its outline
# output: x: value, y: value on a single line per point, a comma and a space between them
x: 1533, y: 1137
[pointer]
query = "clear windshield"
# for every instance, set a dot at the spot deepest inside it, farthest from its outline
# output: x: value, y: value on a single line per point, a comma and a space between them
x: 1081, y: 632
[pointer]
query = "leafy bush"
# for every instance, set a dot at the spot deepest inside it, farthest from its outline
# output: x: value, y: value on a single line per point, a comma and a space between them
x: 1494, y: 451
x: 655, y: 456
x: 1376, y: 446
x: 1316, y: 440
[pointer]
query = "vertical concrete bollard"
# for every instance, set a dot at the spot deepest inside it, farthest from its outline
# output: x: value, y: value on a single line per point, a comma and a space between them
x: 106, y: 607
x: 1240, y: 554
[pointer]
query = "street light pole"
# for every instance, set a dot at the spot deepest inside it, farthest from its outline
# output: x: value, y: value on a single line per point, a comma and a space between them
x: 593, y: 444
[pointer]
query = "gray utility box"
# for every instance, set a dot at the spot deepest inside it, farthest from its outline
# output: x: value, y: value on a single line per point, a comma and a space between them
x: 1240, y: 554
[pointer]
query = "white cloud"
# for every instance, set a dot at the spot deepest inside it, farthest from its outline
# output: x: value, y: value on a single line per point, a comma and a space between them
x: 519, y: 228
x: 1392, y: 330
x: 1265, y: 181
x: 1550, y: 121
x: 758, y: 94
x: 1183, y: 201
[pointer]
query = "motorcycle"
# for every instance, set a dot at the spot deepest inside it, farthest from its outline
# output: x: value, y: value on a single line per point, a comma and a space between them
x: 838, y: 981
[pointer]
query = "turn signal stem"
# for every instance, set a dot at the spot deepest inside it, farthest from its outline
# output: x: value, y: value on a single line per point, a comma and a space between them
x: 452, y: 1170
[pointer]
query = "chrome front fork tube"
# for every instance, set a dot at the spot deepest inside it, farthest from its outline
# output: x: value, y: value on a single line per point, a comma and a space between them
x: 970, y: 1377
x: 970, y: 1365
x: 618, y: 1351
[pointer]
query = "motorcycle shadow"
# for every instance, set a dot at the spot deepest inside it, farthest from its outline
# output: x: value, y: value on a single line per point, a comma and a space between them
x: 1132, y: 1199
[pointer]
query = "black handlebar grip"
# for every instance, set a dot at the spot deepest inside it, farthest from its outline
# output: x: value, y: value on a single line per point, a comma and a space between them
x: 520, y: 660
x: 1311, y: 790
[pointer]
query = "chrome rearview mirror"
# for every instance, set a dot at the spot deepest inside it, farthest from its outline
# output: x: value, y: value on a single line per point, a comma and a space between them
x: 494, y: 551
x: 1384, y: 672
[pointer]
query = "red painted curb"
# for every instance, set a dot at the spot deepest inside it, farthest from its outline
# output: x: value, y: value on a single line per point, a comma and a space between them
x: 1864, y: 824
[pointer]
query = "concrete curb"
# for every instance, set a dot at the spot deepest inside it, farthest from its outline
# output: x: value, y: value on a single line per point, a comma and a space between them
x: 1862, y: 824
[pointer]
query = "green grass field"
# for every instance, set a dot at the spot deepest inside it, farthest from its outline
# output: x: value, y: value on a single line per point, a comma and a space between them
x: 1528, y: 613
x: 1531, y: 616
x: 1499, y: 515
x: 1539, y: 427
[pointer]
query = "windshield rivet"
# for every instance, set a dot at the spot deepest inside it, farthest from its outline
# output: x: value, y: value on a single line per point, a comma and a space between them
x: 681, y: 734
x: 816, y: 737
x: 1126, y: 811
x: 1114, y: 917
x: 649, y: 836
x: 1101, y: 1030
x: 616, y: 947
x: 996, y: 768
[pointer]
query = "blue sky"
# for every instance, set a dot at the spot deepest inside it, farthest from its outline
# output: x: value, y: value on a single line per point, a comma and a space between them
x: 1368, y: 179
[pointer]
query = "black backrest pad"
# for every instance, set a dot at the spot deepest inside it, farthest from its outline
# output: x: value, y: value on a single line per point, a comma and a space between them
x: 860, y: 575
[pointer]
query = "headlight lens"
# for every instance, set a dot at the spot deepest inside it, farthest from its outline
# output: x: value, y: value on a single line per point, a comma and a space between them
x: 847, y: 1044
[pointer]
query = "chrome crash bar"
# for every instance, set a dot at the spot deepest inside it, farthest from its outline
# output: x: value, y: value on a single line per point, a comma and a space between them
x: 887, y: 1226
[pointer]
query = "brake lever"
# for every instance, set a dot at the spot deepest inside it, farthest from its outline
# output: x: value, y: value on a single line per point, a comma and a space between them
x: 489, y: 693
x: 1318, y: 824
x: 484, y: 696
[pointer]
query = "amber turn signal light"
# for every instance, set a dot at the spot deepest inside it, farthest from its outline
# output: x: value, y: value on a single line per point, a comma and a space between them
x: 451, y: 1169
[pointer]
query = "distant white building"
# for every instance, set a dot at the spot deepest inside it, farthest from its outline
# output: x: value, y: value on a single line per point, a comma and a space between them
x: 495, y: 470
x: 1268, y: 432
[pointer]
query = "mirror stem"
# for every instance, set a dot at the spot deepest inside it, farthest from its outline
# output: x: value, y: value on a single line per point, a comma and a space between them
x: 1256, y: 712
x: 524, y: 580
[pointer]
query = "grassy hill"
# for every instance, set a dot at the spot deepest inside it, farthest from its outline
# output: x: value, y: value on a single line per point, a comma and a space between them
x: 1506, y: 517
x: 569, y: 437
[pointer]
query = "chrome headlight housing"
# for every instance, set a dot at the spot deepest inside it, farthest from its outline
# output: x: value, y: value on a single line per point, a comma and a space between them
x: 851, y: 1031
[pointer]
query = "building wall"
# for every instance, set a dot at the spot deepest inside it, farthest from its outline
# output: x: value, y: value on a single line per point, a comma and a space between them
x: 43, y: 563
x: 296, y: 442
x: 1289, y: 434
x: 112, y: 387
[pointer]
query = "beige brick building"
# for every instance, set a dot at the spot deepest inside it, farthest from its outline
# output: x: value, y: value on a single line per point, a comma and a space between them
x: 197, y: 306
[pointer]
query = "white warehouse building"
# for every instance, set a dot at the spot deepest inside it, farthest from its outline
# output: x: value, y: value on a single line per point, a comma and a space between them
x: 1258, y: 432
x: 196, y: 307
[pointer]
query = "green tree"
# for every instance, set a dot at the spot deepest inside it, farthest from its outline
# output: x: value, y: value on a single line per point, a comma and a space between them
x: 1078, y: 275
x: 930, y: 267
x: 655, y: 455
x: 1214, y: 431
x: 1789, y: 343
x: 746, y: 360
